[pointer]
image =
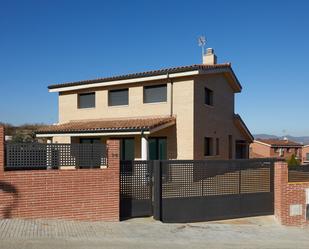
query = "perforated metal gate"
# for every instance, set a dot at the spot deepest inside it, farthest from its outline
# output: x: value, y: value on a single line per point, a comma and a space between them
x: 188, y: 191
x: 212, y: 190
x: 135, y: 189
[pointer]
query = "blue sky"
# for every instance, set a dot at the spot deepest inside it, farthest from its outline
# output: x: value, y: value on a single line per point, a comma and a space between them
x: 46, y: 42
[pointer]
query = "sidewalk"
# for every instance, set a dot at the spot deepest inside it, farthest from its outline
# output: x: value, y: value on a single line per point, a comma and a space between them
x: 145, y: 233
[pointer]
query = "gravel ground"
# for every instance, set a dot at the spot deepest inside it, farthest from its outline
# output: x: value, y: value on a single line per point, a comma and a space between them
x: 262, y: 232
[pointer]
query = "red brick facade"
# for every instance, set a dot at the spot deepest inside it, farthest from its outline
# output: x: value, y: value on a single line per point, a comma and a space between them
x: 287, y: 194
x: 82, y: 194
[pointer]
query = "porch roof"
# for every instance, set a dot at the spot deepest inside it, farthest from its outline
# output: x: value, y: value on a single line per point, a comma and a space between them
x: 148, y: 124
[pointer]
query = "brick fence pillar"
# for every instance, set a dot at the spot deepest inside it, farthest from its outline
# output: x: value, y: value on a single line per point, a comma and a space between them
x: 113, y: 162
x: 281, y: 182
x: 2, y: 137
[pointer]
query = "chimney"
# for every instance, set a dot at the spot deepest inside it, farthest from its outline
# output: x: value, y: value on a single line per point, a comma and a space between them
x: 209, y: 58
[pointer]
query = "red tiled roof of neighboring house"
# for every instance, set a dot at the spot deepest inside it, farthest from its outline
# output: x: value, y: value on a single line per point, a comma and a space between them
x: 215, y: 68
x: 279, y: 142
x: 108, y: 125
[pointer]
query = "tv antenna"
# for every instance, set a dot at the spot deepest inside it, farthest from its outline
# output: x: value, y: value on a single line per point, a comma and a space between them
x: 202, y: 43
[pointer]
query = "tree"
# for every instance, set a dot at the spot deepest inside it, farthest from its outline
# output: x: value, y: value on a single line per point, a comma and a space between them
x: 292, y: 162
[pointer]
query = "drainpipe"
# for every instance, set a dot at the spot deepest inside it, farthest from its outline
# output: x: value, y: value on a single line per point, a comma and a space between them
x: 171, y: 95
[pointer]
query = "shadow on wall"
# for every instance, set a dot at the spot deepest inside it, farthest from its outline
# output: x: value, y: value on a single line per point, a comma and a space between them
x: 9, y: 198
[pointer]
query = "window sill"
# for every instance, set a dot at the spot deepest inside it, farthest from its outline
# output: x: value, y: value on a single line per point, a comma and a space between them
x: 86, y: 109
x: 212, y: 156
x: 117, y: 106
x: 156, y: 103
x: 209, y: 106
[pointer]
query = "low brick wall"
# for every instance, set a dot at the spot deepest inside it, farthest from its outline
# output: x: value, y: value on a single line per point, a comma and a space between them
x: 290, y: 198
x: 79, y: 194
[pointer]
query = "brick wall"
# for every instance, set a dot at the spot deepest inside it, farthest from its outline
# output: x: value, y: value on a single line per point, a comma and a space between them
x: 290, y: 198
x: 83, y: 194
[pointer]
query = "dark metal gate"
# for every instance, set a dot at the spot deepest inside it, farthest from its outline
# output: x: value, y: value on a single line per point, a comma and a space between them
x: 188, y: 191
x: 135, y: 189
x: 212, y: 190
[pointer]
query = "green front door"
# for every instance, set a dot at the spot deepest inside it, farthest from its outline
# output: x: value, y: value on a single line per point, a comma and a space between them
x: 127, y: 148
x: 157, y: 148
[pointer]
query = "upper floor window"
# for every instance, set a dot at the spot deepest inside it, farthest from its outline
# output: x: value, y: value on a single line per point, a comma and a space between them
x: 157, y: 93
x: 209, y: 98
x: 208, y: 146
x: 86, y: 100
x: 118, y: 97
x: 307, y: 156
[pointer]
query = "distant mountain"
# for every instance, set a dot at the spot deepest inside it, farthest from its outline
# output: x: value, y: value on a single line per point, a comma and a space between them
x: 265, y: 136
x: 304, y: 139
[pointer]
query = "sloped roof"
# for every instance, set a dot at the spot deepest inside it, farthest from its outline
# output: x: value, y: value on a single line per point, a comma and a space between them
x: 108, y: 125
x: 215, y: 68
x: 242, y: 126
x: 279, y: 142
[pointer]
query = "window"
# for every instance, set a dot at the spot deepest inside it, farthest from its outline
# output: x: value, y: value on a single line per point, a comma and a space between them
x: 276, y: 150
x: 207, y: 146
x: 241, y: 149
x: 307, y: 156
x: 153, y: 94
x: 157, y: 148
x: 217, y: 146
x: 209, y: 96
x: 288, y: 150
x: 86, y: 100
x: 89, y: 140
x: 118, y: 97
x: 230, y: 138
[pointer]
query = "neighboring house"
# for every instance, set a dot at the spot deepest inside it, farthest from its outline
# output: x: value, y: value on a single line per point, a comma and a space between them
x: 175, y: 113
x: 305, y: 154
x: 275, y: 148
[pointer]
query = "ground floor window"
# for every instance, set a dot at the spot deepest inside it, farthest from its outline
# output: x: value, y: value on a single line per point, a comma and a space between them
x: 207, y: 146
x: 157, y: 148
x: 90, y: 140
x: 88, y: 152
x: 241, y: 149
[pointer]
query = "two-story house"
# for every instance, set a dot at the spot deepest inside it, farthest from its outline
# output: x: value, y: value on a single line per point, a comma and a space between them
x: 277, y: 148
x: 175, y: 113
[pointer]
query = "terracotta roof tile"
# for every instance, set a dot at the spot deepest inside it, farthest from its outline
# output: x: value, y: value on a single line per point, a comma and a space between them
x: 279, y: 142
x: 108, y: 125
x: 146, y: 74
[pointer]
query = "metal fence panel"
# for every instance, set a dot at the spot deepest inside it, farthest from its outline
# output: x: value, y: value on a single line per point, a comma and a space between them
x: 28, y: 156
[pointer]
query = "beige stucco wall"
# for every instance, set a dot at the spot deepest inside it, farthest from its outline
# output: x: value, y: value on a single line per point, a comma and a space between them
x: 179, y: 137
x: 61, y: 140
x: 193, y: 121
x: 215, y: 121
x: 68, y: 109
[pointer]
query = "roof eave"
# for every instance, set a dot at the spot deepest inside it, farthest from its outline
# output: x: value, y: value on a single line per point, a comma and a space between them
x: 244, y: 127
x: 150, y: 76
